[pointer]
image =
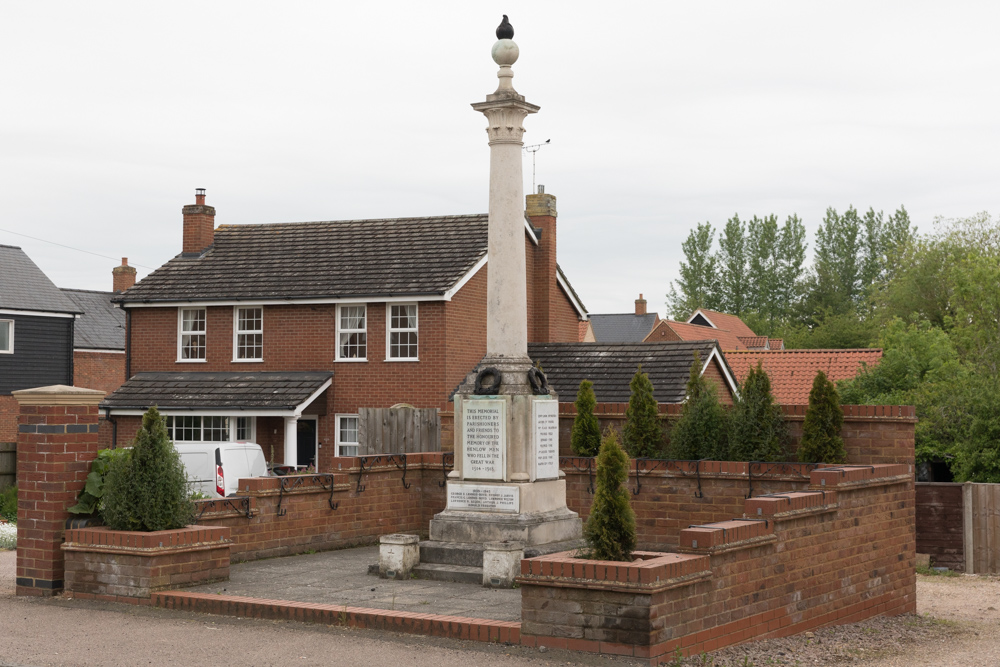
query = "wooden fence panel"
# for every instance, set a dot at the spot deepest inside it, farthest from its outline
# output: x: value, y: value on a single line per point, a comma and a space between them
x: 939, y: 523
x: 8, y: 464
x: 400, y: 430
x: 982, y: 527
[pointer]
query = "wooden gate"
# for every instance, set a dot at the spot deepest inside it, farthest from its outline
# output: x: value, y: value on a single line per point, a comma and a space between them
x: 398, y: 430
x: 8, y: 464
x: 981, y: 507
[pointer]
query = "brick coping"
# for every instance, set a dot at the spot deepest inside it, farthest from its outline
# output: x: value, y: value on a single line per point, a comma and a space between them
x: 653, y: 572
x: 436, y: 625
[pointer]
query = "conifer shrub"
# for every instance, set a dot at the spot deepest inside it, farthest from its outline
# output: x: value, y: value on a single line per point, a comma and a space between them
x: 148, y: 490
x: 757, y: 431
x: 821, y: 441
x: 610, y: 528
x: 643, y: 431
x: 700, y: 431
x: 586, y: 436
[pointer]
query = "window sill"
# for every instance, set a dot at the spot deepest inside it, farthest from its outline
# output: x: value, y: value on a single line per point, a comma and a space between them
x: 192, y: 361
x: 248, y: 361
x: 351, y: 360
x: 403, y: 359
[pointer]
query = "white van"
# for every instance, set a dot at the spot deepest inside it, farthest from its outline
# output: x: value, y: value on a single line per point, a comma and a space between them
x: 215, y: 468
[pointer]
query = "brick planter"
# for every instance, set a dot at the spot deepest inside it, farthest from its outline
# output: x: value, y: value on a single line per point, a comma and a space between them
x: 130, y: 566
x: 603, y: 606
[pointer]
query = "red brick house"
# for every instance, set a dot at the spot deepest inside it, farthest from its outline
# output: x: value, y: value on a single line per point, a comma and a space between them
x: 792, y: 371
x: 279, y: 333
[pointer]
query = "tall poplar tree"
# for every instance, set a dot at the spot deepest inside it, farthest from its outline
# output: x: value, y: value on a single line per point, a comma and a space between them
x: 697, y: 285
x: 731, y: 262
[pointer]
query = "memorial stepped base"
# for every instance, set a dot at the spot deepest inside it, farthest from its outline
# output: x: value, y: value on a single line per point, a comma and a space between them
x: 463, y: 562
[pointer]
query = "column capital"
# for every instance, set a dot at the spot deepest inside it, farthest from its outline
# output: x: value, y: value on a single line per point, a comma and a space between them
x: 504, y: 117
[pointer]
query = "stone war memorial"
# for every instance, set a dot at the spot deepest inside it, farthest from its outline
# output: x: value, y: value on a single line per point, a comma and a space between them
x: 728, y: 552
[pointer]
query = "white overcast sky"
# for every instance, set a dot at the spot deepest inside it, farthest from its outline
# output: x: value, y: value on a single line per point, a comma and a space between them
x: 661, y: 115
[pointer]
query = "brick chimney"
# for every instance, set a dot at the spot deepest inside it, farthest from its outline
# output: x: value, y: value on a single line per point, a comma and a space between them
x: 199, y: 225
x: 123, y: 276
x: 640, y: 306
x: 541, y: 210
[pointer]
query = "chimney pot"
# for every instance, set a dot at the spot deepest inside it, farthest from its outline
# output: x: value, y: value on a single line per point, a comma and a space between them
x: 199, y: 196
x: 640, y: 306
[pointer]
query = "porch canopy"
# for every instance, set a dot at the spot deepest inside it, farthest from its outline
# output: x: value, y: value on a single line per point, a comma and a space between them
x: 264, y: 394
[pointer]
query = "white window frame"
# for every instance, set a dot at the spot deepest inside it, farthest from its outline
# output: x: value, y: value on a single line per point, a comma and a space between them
x: 339, y: 332
x: 181, y: 333
x: 237, y: 332
x: 389, y: 330
x: 232, y: 427
x: 10, y: 337
x: 336, y: 434
x: 251, y: 429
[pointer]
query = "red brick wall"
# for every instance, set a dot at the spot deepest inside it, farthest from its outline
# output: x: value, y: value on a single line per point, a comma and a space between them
x: 8, y: 419
x: 713, y: 373
x: 55, y: 447
x: 98, y: 370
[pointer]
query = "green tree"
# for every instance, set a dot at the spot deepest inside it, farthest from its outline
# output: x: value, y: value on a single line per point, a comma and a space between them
x: 643, y: 431
x: 696, y: 287
x: 763, y: 262
x: 731, y: 262
x: 586, y: 436
x: 700, y: 431
x: 821, y: 441
x: 610, y: 528
x: 757, y: 431
x: 791, y: 259
x: 148, y: 490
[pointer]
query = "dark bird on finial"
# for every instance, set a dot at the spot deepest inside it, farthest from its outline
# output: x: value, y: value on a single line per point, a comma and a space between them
x: 505, y: 30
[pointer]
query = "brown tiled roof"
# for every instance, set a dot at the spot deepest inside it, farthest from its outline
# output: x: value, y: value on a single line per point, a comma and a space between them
x: 754, y: 342
x: 792, y: 371
x: 776, y: 343
x: 168, y: 390
x: 685, y: 331
x: 387, y: 257
x: 611, y: 367
x: 725, y: 321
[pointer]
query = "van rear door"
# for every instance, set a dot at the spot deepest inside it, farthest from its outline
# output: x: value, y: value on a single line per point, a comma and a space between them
x: 241, y: 460
x: 198, y: 467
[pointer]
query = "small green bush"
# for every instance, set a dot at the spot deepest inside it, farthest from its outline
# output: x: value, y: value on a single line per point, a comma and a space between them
x: 821, y: 441
x: 148, y: 490
x: 643, y: 431
x: 700, y: 431
x: 8, y: 504
x: 757, y: 431
x: 89, y: 500
x: 586, y: 437
x: 610, y: 529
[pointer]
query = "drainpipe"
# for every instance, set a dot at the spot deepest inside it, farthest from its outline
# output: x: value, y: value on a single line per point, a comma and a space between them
x: 128, y: 343
x: 114, y: 428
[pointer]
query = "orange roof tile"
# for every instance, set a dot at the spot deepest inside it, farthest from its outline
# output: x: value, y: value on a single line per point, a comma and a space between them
x: 692, y: 332
x: 754, y: 342
x: 776, y: 343
x: 725, y: 321
x: 792, y: 371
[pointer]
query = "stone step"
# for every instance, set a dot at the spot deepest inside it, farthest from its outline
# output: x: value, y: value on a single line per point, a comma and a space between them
x: 440, y: 572
x: 554, y: 547
x: 451, y: 553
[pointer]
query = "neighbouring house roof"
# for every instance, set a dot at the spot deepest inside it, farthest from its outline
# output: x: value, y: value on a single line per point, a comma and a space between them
x: 776, y: 343
x: 754, y: 342
x: 622, y: 328
x: 611, y: 367
x: 23, y: 286
x: 671, y: 330
x: 102, y: 326
x: 719, y: 320
x: 792, y: 371
x: 392, y: 257
x: 267, y: 391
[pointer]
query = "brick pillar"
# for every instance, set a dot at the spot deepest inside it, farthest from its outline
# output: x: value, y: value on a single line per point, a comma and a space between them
x: 541, y: 210
x: 56, y: 443
x: 199, y: 225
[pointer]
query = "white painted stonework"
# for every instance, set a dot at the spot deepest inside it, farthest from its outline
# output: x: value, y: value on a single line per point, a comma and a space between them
x: 483, y: 497
x: 484, y: 438
x: 545, y: 420
x: 397, y: 555
x: 501, y: 563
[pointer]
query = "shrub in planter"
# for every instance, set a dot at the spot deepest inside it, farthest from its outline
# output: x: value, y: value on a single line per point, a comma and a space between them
x: 821, y: 441
x: 8, y: 504
x: 610, y: 529
x: 643, y: 432
x: 757, y: 431
x: 89, y: 500
x: 700, y: 431
x: 148, y: 490
x: 586, y: 437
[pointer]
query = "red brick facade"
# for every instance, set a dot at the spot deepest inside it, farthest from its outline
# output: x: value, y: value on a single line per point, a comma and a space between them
x: 8, y: 419
x: 98, y: 370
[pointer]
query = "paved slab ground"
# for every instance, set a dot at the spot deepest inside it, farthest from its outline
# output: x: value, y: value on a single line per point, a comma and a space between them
x: 341, y: 577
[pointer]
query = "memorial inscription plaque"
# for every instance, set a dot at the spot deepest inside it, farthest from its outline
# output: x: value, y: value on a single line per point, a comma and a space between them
x: 483, y: 497
x: 546, y: 421
x: 484, y: 438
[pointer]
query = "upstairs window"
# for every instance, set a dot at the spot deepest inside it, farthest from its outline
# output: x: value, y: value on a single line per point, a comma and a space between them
x: 352, y: 341
x: 6, y: 336
x: 402, y: 331
x: 249, y: 344
x: 192, y: 334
